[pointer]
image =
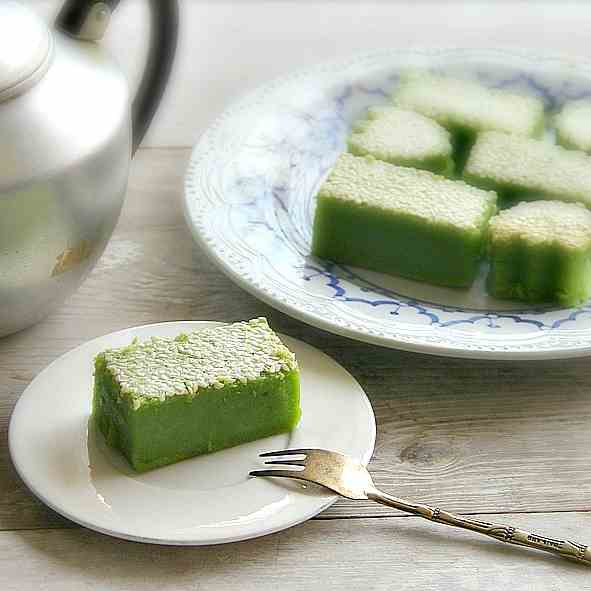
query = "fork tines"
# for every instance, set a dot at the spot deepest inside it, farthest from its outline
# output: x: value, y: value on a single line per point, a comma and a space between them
x: 287, y: 464
x: 284, y: 473
x: 285, y: 452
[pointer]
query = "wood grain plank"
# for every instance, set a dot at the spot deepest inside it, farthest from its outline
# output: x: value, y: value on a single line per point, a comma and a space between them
x: 472, y: 436
x: 369, y: 554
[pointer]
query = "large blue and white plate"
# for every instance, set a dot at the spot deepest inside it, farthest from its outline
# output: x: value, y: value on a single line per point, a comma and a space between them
x: 249, y: 200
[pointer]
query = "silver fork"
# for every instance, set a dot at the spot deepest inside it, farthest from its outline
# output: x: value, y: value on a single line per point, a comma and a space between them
x: 350, y: 479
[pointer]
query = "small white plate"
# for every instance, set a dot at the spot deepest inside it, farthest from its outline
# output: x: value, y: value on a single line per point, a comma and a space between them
x: 205, y: 500
x: 249, y: 201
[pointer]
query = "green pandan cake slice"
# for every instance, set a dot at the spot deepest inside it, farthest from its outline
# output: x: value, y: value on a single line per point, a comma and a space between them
x: 168, y: 399
x: 401, y: 221
x: 461, y: 104
x: 540, y: 251
x: 466, y: 108
x: 522, y: 168
x: 402, y: 137
x: 573, y: 125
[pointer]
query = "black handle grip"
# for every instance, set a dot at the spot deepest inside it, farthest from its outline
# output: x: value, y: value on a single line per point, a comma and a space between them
x: 87, y: 19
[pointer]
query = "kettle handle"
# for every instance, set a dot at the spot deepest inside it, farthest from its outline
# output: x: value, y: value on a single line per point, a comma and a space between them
x: 88, y: 19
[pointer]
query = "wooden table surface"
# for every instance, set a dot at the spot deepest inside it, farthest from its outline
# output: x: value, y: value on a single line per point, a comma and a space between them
x: 508, y: 441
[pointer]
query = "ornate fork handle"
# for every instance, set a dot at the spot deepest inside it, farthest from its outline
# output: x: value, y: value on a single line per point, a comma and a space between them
x: 502, y: 533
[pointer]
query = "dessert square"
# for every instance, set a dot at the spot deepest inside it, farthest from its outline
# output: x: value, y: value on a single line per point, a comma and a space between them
x: 402, y: 137
x: 168, y: 399
x: 522, y: 168
x: 573, y: 125
x: 540, y: 251
x: 466, y: 108
x: 401, y: 221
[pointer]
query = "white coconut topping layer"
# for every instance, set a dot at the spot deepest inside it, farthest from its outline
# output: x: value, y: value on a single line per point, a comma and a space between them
x: 399, y: 136
x: 573, y: 125
x: 470, y: 105
x: 366, y: 181
x: 209, y: 358
x: 544, y: 222
x: 505, y: 161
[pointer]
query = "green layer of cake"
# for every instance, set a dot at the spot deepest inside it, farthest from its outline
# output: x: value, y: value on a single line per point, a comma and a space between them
x: 402, y: 137
x: 166, y: 399
x: 522, y: 168
x: 540, y: 251
x: 401, y: 221
x: 573, y: 125
x: 466, y: 108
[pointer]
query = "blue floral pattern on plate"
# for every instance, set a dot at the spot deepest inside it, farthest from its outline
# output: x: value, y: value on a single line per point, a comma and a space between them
x: 249, y: 201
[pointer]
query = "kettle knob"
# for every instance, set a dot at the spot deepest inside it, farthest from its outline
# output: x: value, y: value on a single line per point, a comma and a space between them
x: 87, y: 20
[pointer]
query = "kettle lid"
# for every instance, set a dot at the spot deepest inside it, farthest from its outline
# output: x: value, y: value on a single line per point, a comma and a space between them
x: 26, y: 45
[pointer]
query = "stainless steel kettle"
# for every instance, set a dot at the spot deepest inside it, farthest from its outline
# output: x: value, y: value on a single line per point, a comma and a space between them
x: 68, y: 129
